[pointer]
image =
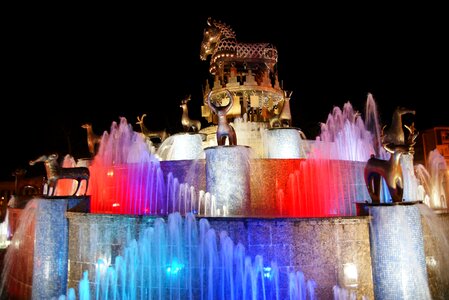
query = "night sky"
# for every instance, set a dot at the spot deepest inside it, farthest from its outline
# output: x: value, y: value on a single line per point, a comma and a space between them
x: 96, y: 68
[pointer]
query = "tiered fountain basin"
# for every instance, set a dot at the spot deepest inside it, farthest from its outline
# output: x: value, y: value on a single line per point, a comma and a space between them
x: 278, y: 188
x: 328, y: 250
x: 331, y: 250
x: 318, y: 234
x: 300, y: 213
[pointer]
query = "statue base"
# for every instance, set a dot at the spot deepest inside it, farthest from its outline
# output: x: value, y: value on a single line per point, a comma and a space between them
x: 362, y: 208
x: 79, y: 204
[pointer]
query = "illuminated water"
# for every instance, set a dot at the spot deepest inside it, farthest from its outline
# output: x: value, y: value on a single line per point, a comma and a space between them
x: 126, y: 178
x: 344, y: 137
x: 4, y: 232
x: 330, y: 181
x: 18, y: 259
x: 183, y: 258
x: 434, y: 180
x: 181, y: 146
x: 437, y: 260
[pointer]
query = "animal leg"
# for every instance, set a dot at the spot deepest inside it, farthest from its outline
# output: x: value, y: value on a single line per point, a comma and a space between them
x: 222, y: 140
x: 53, y: 187
x: 77, y: 187
x: 373, y: 184
x: 87, y: 185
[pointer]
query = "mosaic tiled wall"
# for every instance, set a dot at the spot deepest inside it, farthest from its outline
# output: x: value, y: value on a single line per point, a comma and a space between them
x: 323, y: 249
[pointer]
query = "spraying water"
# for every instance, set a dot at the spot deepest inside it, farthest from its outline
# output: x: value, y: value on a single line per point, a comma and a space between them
x: 434, y: 180
x: 326, y: 183
x: 437, y: 261
x: 250, y: 134
x: 186, y: 259
x: 17, y: 258
x: 372, y: 124
x: 344, y: 137
x: 4, y: 232
x: 126, y: 178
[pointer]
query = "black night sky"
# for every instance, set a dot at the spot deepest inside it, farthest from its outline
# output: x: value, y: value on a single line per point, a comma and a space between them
x: 61, y: 72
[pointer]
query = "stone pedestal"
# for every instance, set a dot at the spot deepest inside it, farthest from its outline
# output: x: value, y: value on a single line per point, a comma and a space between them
x: 182, y: 146
x: 50, y: 250
x: 284, y: 142
x: 227, y: 178
x: 397, y: 252
x: 51, y: 244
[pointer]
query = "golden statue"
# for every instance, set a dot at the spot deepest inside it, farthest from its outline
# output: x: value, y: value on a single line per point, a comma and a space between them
x: 224, y: 129
x: 395, y: 133
x: 187, y: 123
x: 390, y: 170
x: 93, y: 140
x: 55, y: 172
x: 160, y: 134
x: 284, y: 117
x: 247, y: 70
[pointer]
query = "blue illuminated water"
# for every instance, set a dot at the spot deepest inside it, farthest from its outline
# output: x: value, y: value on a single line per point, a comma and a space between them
x: 182, y: 258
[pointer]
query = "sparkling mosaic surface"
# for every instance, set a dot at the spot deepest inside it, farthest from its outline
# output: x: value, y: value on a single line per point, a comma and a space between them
x: 320, y: 248
x: 227, y: 177
x: 284, y: 143
x: 50, y: 250
x: 397, y: 247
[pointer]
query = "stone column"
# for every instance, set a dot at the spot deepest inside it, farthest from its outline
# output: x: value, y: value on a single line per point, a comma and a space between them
x: 397, y: 252
x: 284, y: 142
x: 51, y: 245
x: 228, y: 178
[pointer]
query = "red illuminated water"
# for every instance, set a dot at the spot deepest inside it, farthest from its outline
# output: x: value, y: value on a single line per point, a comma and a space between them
x: 66, y: 186
x: 126, y: 178
x: 331, y: 180
x: 318, y: 189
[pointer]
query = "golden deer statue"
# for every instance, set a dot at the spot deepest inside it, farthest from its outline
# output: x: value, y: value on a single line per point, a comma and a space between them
x: 284, y: 117
x: 93, y: 140
x: 187, y: 123
x: 56, y: 172
x: 224, y: 129
x: 395, y: 133
x: 390, y: 170
x: 161, y: 134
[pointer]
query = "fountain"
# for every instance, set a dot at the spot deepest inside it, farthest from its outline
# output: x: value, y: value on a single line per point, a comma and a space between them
x: 434, y: 179
x: 229, y: 212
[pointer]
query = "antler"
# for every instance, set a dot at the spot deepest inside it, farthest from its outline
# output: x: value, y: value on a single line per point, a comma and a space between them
x: 288, y: 94
x: 186, y: 99
x: 413, y: 134
x: 140, y: 120
x: 226, y: 108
